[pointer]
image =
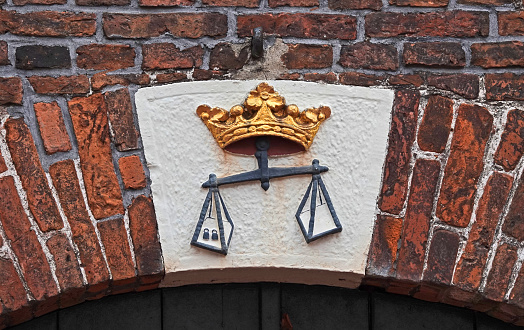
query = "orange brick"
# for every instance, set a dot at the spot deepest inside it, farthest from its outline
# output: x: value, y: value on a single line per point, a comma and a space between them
x: 52, y: 127
x: 132, y: 172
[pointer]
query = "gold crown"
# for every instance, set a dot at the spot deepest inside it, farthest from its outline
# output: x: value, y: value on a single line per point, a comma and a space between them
x: 264, y: 112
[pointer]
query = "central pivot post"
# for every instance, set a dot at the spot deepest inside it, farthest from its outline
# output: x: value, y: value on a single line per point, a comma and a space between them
x: 262, y: 144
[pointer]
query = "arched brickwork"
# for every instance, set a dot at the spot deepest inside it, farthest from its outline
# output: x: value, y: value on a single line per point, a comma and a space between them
x: 77, y: 220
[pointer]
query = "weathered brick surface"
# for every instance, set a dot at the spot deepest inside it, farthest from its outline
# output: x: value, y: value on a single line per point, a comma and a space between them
x: 498, y: 55
x: 3, y: 168
x: 406, y: 79
x: 100, y: 56
x: 60, y: 85
x: 102, y: 2
x: 457, y: 24
x: 232, y: 3
x: 417, y: 220
x: 517, y: 294
x: 436, y: 124
x: 301, y: 56
x: 504, y: 86
x: 168, y: 56
x: 360, y: 79
x: 330, y: 77
x: 132, y: 172
x: 163, y: 78
x: 42, y: 57
x: 143, y: 228
x: 322, y: 26
x: 511, y: 146
x: 27, y: 163
x: 368, y: 55
x: 384, y: 245
x: 49, y: 23
x: 420, y: 3
x: 66, y: 182
x: 120, y: 111
x: 354, y: 4
x: 165, y: 3
x: 4, y: 59
x: 52, y: 127
x: 511, y: 23
x: 114, y: 239
x: 500, y: 273
x: 12, y: 215
x: 514, y: 223
x: 464, y: 165
x: 401, y: 137
x: 471, y: 264
x: 485, y: 2
x: 441, y: 258
x: 224, y: 57
x: 466, y: 85
x: 38, y: 2
x: 434, y: 54
x: 12, y: 292
x: 184, y: 25
x: 293, y: 3
x: 67, y: 267
x: 199, y: 74
x: 89, y: 116
x: 34, y: 266
x: 101, y: 80
x: 11, y: 90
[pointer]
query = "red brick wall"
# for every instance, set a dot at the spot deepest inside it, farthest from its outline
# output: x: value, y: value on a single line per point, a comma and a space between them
x: 77, y: 221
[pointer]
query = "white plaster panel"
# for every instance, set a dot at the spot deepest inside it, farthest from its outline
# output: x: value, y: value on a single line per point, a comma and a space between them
x: 267, y: 243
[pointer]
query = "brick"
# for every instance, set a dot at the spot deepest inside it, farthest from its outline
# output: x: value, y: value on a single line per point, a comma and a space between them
x: 419, y: 3
x: 120, y: 112
x: 42, y: 57
x: 165, y: 3
x: 406, y: 79
x: 464, y: 166
x: 330, y: 77
x: 11, y: 91
x: 517, y: 294
x: 66, y: 182
x: 500, y: 273
x: 199, y: 74
x: 383, y: 249
x: 183, y: 25
x: 38, y: 2
x: 360, y: 79
x: 401, y: 137
x: 468, y: 273
x: 300, y: 56
x: 67, y: 267
x: 366, y: 55
x: 12, y: 292
x: 415, y: 230
x: 143, y: 228
x: 511, y: 146
x: 225, y: 57
x: 3, y: 167
x: 504, y: 86
x: 4, y: 59
x: 164, y: 78
x: 486, y: 2
x: 132, y: 172
x: 52, y: 127
x: 434, y: 54
x: 51, y: 24
x: 12, y: 214
x: 401, y: 287
x: 428, y: 292
x: 514, y: 223
x: 355, y: 4
x: 289, y: 76
x: 168, y: 56
x: 498, y: 55
x: 34, y: 266
x: 27, y: 164
x: 60, y: 85
x: 511, y: 23
x: 89, y: 117
x: 114, y: 238
x: 103, y: 2
x: 232, y: 3
x: 459, y: 298
x: 101, y: 80
x: 458, y: 24
x: 321, y: 26
x: 436, y: 124
x: 100, y: 57
x: 465, y: 84
x: 293, y: 3
x: 441, y: 258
